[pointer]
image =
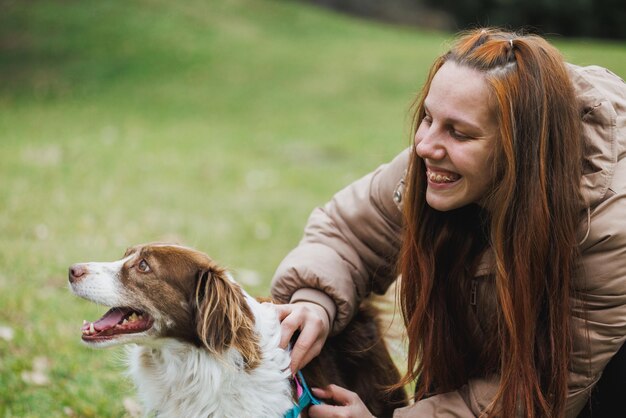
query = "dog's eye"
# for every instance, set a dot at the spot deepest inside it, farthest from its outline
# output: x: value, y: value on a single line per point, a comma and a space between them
x: 143, y: 266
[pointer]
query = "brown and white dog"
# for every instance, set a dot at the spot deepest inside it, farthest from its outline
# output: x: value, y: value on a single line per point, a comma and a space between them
x: 202, y: 347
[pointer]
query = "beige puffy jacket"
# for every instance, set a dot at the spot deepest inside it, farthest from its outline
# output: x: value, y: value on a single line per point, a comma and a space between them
x: 351, y: 245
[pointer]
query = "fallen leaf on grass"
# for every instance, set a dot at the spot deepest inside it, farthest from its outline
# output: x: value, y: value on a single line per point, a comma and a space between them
x: 38, y: 376
x: 6, y: 333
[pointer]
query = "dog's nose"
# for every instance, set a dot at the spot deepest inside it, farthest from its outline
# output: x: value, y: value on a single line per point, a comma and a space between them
x: 76, y: 272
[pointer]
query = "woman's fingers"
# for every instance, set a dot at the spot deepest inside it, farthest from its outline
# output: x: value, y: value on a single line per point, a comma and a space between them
x: 337, y: 394
x: 345, y: 404
x: 287, y: 326
x: 308, y: 345
x: 312, y: 322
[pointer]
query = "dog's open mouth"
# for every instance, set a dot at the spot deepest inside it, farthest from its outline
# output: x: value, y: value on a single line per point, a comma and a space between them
x: 115, y: 322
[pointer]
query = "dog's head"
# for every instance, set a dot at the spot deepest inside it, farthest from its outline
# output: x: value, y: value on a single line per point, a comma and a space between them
x: 159, y: 291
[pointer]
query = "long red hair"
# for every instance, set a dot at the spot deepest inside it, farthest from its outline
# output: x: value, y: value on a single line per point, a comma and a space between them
x: 529, y: 221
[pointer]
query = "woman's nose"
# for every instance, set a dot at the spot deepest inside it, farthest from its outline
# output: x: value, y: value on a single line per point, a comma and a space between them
x: 429, y: 145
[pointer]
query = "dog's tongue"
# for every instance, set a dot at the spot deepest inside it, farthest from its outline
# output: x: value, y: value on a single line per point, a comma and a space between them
x: 110, y: 319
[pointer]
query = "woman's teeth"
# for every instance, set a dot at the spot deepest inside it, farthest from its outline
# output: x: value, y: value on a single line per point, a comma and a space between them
x: 442, y: 178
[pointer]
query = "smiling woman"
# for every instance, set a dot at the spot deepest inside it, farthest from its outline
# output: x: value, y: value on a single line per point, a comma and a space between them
x: 503, y: 220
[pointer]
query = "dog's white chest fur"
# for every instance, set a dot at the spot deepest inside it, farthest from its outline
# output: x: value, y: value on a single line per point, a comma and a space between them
x: 175, y: 379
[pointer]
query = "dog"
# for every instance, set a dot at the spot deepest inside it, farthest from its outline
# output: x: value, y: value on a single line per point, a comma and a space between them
x: 200, y: 346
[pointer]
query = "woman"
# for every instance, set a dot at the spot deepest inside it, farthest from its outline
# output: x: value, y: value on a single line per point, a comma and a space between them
x: 506, y: 221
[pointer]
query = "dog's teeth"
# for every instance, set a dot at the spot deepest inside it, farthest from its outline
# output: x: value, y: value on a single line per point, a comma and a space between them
x: 92, y: 330
x: 133, y: 317
x: 124, y: 322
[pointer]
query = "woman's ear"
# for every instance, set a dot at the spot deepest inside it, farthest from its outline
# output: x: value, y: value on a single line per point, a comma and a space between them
x: 223, y: 317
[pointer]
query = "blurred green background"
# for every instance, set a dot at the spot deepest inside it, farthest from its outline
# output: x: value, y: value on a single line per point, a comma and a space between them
x: 215, y: 124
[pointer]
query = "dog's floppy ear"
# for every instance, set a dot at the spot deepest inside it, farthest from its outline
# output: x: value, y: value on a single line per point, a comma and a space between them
x: 223, y: 317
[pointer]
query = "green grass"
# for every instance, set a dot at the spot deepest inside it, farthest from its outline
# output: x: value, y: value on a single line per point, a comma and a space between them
x: 217, y: 124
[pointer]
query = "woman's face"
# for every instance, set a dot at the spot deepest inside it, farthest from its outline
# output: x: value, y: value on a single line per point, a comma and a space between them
x: 457, y: 137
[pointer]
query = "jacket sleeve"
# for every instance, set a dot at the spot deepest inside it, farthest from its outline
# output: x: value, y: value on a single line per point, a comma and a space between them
x: 599, y: 320
x: 350, y: 246
x: 467, y: 402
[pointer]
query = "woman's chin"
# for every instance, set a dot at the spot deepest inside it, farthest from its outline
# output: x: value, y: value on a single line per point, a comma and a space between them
x: 443, y: 203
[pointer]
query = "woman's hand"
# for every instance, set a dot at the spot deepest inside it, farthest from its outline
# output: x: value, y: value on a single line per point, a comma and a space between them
x: 344, y: 404
x: 312, y: 321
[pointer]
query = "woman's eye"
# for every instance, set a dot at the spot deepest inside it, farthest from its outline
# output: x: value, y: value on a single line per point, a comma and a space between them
x: 143, y: 266
x: 458, y: 135
x: 427, y: 119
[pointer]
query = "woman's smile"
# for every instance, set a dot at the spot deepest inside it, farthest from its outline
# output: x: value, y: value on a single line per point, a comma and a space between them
x: 440, y: 177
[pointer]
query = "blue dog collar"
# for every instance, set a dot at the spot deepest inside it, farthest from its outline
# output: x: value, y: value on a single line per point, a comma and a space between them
x: 305, y: 399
